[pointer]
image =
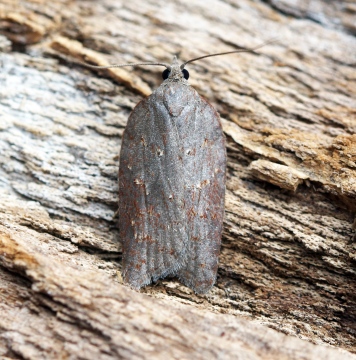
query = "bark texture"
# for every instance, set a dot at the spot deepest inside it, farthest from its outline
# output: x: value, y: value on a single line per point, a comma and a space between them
x: 289, y: 113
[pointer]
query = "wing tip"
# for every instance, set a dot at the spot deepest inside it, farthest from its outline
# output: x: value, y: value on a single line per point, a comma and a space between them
x: 198, y: 285
x: 137, y: 283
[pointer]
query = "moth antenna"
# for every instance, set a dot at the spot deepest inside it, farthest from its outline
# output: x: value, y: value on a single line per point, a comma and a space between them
x: 122, y: 65
x: 242, y: 49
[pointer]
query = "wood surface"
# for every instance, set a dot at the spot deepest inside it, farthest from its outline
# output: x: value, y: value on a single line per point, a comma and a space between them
x: 287, y: 275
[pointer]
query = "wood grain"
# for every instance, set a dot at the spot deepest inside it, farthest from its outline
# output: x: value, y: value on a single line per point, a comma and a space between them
x: 289, y: 114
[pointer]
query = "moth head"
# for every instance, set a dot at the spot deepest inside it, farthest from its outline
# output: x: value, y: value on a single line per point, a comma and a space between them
x: 175, y: 72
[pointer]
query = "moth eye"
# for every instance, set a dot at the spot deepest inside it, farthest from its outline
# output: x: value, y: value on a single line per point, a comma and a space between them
x: 185, y: 74
x: 165, y: 74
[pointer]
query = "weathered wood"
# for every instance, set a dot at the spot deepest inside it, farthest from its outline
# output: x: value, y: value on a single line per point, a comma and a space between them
x: 289, y: 113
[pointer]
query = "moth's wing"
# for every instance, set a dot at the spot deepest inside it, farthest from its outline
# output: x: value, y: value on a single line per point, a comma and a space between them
x: 204, y: 173
x: 151, y: 197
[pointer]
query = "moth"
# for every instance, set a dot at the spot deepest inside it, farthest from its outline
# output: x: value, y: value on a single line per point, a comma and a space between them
x: 172, y: 184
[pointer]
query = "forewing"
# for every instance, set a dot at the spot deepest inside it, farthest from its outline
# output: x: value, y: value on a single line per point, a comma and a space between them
x: 204, y: 173
x: 151, y: 196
